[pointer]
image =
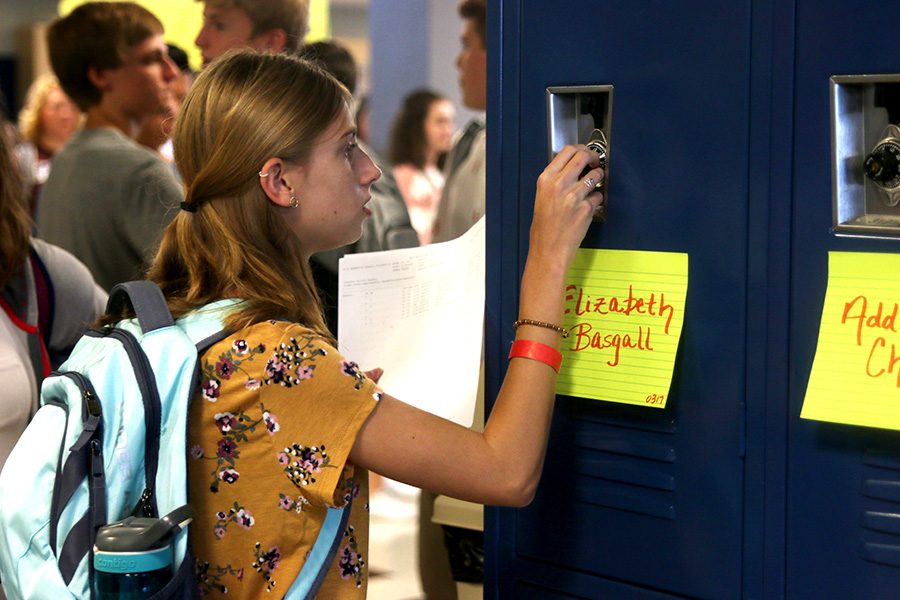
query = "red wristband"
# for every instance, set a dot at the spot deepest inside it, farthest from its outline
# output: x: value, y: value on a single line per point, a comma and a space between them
x: 536, y: 351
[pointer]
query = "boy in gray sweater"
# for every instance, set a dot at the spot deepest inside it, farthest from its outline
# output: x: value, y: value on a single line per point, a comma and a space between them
x: 108, y: 199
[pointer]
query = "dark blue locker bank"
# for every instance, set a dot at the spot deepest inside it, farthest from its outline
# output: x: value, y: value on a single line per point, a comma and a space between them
x: 720, y: 119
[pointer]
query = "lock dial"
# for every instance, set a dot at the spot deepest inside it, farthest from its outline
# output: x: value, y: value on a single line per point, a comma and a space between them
x: 882, y: 166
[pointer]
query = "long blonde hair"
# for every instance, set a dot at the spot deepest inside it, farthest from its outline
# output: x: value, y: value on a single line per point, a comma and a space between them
x: 242, y: 110
x: 30, y: 116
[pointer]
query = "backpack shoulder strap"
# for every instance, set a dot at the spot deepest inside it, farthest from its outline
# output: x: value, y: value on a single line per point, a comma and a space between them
x: 147, y: 300
x: 46, y: 296
x: 311, y: 576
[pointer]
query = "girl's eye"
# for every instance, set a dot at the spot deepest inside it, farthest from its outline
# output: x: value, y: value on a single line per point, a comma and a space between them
x: 351, y: 146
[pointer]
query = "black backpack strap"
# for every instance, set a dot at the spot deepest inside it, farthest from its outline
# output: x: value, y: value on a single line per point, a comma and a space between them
x: 206, y: 343
x: 147, y: 300
x: 80, y: 539
x: 85, y: 460
x: 46, y: 297
x: 146, y: 380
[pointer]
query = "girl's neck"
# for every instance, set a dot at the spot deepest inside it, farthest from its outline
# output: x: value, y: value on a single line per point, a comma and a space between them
x: 431, y: 157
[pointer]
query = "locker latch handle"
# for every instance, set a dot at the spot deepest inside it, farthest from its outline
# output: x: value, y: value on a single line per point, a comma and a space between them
x: 599, y: 144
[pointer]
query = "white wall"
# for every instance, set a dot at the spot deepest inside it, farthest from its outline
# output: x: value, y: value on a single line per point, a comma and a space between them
x: 16, y: 14
x: 445, y: 29
x: 17, y: 17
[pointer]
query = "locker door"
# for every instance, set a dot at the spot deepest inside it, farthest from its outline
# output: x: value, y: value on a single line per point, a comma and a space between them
x: 837, y: 544
x: 634, y: 502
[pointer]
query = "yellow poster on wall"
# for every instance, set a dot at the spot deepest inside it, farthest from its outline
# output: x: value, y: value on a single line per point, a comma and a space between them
x: 624, y: 312
x: 182, y: 20
x: 855, y: 377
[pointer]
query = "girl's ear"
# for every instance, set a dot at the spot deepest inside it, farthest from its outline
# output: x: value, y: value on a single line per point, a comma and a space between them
x: 273, y: 183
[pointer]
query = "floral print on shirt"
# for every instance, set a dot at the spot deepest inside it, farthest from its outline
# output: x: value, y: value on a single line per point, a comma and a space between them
x: 266, y: 562
x: 227, y: 364
x: 301, y: 463
x: 271, y: 427
x: 293, y: 362
x: 350, y: 560
x: 234, y: 429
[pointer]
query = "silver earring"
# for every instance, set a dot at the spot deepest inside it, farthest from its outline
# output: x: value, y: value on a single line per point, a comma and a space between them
x: 261, y: 174
x: 294, y: 202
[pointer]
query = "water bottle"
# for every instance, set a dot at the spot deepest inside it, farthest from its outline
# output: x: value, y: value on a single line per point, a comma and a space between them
x: 133, y: 558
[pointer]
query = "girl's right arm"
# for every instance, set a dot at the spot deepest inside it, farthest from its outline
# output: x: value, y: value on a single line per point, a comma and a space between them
x: 501, y: 466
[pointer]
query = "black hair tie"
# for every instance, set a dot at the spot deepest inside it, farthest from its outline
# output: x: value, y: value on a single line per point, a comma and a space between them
x: 189, y: 207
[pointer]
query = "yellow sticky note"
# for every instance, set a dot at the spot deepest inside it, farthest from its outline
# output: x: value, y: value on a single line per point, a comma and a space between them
x: 624, y: 311
x: 855, y: 376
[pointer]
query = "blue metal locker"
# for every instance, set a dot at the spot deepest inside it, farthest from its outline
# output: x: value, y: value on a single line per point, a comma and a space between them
x: 843, y: 519
x: 720, y: 149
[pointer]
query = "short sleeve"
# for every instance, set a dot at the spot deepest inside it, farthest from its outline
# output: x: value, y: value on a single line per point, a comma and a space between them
x: 276, y: 413
x: 309, y: 400
x: 317, y: 401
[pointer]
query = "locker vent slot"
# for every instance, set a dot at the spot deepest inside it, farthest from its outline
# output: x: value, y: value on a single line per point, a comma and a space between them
x: 617, y: 444
x: 630, y: 499
x: 884, y: 460
x: 625, y: 471
x: 885, y: 554
x: 884, y: 522
x: 881, y: 522
x: 882, y: 490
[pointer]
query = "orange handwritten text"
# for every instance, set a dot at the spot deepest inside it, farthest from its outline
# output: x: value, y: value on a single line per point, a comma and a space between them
x: 655, y: 398
x: 857, y: 310
x: 584, y: 340
x: 605, y: 305
x: 891, y: 362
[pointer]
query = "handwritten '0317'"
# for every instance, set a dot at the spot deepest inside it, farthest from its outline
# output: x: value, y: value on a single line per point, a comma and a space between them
x: 604, y: 305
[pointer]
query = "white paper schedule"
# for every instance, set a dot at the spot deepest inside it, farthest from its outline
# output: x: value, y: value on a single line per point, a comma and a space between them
x: 418, y: 314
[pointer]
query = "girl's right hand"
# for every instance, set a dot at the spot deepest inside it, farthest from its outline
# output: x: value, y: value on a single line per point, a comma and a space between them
x: 564, y: 204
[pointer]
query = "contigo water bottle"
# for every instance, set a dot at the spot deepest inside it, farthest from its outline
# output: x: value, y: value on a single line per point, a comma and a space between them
x: 133, y: 557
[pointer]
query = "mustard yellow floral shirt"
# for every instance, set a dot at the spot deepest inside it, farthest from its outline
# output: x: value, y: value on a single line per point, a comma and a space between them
x: 270, y: 430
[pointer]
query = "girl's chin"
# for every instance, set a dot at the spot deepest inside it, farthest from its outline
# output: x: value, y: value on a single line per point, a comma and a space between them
x: 351, y: 237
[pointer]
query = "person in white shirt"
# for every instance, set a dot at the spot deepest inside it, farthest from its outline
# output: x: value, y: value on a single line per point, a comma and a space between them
x: 47, y: 297
x: 462, y: 202
x: 421, y: 136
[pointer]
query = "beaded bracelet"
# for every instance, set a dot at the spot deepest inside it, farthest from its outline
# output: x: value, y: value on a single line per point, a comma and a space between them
x: 562, y: 330
x: 536, y: 351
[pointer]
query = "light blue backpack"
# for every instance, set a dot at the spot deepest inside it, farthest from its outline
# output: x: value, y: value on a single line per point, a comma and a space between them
x: 110, y: 441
